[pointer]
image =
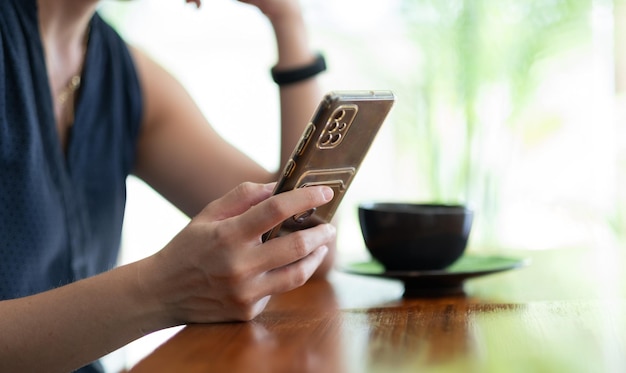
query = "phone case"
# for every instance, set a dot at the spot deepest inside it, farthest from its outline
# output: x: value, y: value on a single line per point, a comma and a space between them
x: 331, y: 150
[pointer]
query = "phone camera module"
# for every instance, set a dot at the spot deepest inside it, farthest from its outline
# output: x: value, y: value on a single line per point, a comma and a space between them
x: 337, y: 126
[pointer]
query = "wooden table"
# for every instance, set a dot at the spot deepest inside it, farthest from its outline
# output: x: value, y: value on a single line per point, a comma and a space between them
x: 565, y: 312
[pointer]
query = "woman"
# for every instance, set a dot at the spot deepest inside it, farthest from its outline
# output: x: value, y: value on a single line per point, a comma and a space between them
x: 79, y: 111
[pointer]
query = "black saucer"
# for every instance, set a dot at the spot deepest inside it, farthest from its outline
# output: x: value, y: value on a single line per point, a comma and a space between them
x: 448, y: 281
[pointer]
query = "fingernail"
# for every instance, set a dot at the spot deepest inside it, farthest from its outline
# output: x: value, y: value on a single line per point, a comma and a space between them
x: 328, y: 193
x: 332, y: 228
x: 324, y: 249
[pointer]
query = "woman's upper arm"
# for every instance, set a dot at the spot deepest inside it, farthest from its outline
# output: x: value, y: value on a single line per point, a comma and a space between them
x: 179, y: 154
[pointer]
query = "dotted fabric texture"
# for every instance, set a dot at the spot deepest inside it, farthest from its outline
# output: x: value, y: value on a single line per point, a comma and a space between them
x: 61, y: 212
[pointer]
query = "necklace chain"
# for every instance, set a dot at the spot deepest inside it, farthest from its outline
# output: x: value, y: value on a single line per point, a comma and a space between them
x: 67, y: 95
x: 69, y: 90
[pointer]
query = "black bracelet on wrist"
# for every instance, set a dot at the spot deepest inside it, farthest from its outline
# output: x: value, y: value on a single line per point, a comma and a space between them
x: 298, y: 74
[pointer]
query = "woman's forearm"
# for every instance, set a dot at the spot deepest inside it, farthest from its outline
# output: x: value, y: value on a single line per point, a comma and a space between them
x: 297, y: 100
x: 63, y: 329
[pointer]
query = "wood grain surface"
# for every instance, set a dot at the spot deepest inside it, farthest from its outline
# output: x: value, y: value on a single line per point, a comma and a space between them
x: 566, y: 312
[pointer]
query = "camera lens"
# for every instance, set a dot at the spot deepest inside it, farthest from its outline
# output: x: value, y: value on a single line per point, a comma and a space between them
x: 339, y: 114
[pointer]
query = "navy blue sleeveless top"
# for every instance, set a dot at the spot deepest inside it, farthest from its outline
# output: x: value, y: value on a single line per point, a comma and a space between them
x: 61, y: 213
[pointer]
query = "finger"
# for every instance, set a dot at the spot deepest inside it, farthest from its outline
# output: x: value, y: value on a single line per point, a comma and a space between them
x: 238, y: 200
x: 272, y: 211
x: 285, y: 250
x: 295, y: 274
x: 197, y: 2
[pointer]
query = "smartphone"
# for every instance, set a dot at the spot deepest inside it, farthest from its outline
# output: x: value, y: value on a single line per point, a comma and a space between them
x: 331, y: 150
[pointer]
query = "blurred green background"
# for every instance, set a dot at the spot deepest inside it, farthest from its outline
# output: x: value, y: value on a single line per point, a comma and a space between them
x: 509, y: 106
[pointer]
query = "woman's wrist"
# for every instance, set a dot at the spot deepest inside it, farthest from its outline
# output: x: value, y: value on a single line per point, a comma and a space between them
x: 296, y: 74
x: 152, y: 294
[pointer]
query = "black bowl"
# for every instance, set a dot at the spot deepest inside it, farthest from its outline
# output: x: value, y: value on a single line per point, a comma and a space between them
x: 415, y: 237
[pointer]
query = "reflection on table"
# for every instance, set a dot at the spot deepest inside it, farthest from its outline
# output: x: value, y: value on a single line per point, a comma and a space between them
x: 563, y: 313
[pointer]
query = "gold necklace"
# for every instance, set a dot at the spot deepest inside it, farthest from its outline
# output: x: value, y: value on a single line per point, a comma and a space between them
x: 69, y: 90
x: 66, y: 100
x: 68, y: 93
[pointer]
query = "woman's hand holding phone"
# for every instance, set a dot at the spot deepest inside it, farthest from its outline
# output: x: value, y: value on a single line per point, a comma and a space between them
x: 217, y: 268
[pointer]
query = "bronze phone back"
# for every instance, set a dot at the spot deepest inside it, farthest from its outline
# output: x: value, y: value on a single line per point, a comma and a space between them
x: 331, y: 150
